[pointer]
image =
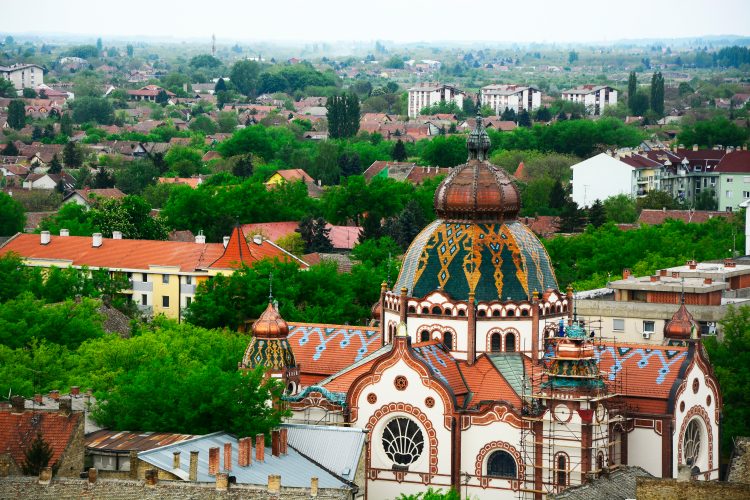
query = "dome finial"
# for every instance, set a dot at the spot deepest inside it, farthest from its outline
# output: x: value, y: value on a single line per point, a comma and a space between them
x: 478, y: 142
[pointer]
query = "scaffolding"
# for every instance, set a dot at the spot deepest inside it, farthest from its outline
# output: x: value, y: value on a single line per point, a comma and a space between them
x: 542, y: 434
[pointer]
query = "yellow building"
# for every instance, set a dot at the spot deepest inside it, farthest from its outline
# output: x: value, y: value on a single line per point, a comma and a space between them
x: 163, y: 274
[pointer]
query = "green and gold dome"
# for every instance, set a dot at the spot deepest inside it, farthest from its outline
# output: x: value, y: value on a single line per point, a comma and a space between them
x: 477, y: 244
x: 269, y: 346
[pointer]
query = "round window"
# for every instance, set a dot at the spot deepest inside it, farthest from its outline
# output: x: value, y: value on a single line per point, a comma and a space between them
x: 403, y: 441
x: 691, y: 442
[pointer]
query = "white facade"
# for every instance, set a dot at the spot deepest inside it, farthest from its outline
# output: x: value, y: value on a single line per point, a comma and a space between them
x: 426, y: 95
x: 23, y: 75
x: 514, y: 97
x: 600, y: 177
x: 594, y: 97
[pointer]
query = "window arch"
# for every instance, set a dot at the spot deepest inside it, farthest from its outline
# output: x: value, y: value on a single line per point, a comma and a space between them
x: 495, y: 342
x: 561, y: 470
x: 511, y: 312
x: 510, y: 342
x: 496, y: 313
x: 600, y: 461
x: 412, y: 309
x: 502, y: 464
x: 424, y: 336
x: 691, y: 442
x: 462, y: 312
x: 481, y: 313
x: 448, y: 340
x: 425, y: 310
x: 403, y: 441
x: 437, y: 310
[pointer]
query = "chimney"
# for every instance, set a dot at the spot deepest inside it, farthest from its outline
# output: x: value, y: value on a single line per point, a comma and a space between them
x: 314, y: 487
x: 244, y: 455
x: 625, y: 273
x: 284, y: 436
x: 260, y: 443
x: 200, y: 238
x: 45, y: 475
x: 75, y: 390
x: 17, y: 404
x: 152, y: 477
x: 175, y: 459
x: 45, y: 238
x: 695, y: 147
x: 729, y: 263
x: 116, y: 235
x: 258, y: 239
x: 92, y: 475
x: 226, y: 241
x: 274, y: 483
x: 654, y: 278
x: 96, y: 240
x: 193, y: 474
x: 222, y: 481
x: 707, y: 281
x: 662, y: 272
x: 133, y: 457
x: 227, y: 456
x: 275, y: 442
x: 675, y: 274
x: 213, y: 460
x: 54, y: 394
x: 692, y: 264
x: 66, y: 406
x: 38, y: 399
x: 64, y: 232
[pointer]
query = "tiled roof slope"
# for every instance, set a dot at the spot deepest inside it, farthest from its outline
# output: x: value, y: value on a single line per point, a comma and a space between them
x: 323, y: 350
x: 443, y: 365
x: 651, y: 216
x: 17, y: 430
x: 620, y: 484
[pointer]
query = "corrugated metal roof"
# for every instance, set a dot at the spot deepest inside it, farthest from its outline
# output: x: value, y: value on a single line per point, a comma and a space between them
x: 124, y: 441
x: 338, y: 449
x: 295, y: 469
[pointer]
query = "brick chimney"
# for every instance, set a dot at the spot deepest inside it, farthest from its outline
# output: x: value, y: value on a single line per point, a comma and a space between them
x: 692, y: 264
x: 222, y: 481
x: 284, y: 444
x: 38, y: 399
x: 260, y: 443
x: 241, y: 451
x: 729, y: 263
x: 625, y: 273
x: 193, y: 474
x: 227, y: 456
x: 213, y: 460
x: 175, y: 459
x: 662, y: 272
x: 116, y: 235
x: 654, y: 278
x: 17, y: 404
x: 66, y: 406
x: 275, y: 442
x: 274, y: 483
x: 313, y: 487
x: 54, y: 394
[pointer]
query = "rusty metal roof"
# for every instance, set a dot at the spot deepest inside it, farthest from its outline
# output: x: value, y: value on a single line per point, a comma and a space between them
x: 124, y: 441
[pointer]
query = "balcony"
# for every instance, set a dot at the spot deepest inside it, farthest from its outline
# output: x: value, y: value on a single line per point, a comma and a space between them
x: 142, y: 286
x: 187, y: 289
x: 145, y: 310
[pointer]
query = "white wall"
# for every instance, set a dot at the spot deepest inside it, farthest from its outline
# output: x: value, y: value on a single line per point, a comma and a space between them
x: 600, y: 177
x: 644, y: 450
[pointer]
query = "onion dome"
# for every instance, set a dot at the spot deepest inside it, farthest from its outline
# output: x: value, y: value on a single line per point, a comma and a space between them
x: 270, y: 324
x: 477, y: 244
x: 477, y: 190
x: 682, y: 325
x: 269, y: 346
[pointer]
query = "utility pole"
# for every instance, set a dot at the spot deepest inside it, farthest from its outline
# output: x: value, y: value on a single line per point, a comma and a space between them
x: 213, y: 45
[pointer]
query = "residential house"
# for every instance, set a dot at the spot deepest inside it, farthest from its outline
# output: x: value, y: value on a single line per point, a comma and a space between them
x: 49, y: 181
x: 600, y: 177
x: 403, y: 171
x: 690, y: 171
x: 651, y: 216
x: 163, y: 274
x: 425, y: 95
x: 23, y: 75
x: 515, y: 97
x: 87, y: 197
x: 148, y: 93
x: 295, y: 175
x: 594, y: 97
x: 343, y: 238
x: 734, y: 179
x: 62, y: 429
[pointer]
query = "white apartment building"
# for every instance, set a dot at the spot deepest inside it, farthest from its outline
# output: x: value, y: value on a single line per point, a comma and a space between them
x: 23, y: 75
x: 426, y: 94
x: 594, y: 97
x: 515, y: 97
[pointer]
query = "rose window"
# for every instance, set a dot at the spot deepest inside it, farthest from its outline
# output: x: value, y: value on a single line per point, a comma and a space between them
x: 403, y: 441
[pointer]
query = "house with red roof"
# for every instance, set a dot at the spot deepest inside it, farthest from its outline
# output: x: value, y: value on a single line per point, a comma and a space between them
x: 148, y: 93
x: 62, y: 429
x: 343, y: 238
x: 314, y: 190
x: 87, y: 197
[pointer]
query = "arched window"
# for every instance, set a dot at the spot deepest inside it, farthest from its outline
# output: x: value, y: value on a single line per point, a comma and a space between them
x: 437, y: 310
x: 510, y: 342
x: 496, y: 313
x: 511, y: 312
x: 481, y: 313
x: 502, y: 464
x: 691, y: 442
x: 403, y: 441
x: 425, y: 310
x: 461, y: 312
x: 561, y: 474
x: 524, y: 312
x: 448, y: 340
x: 412, y: 309
x: 424, y: 336
x: 495, y: 342
x: 600, y: 461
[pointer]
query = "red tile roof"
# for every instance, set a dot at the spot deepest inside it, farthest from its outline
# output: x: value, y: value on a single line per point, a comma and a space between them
x: 342, y: 237
x: 650, y: 216
x: 238, y: 252
x: 443, y: 365
x: 486, y: 383
x: 295, y: 174
x: 736, y: 161
x: 17, y: 430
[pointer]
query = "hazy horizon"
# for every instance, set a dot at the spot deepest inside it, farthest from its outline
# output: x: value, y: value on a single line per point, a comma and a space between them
x: 433, y: 21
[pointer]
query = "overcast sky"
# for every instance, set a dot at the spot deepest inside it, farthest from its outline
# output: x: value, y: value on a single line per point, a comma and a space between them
x: 396, y: 20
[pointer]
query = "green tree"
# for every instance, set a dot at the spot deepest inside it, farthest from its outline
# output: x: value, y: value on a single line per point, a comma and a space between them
x: 55, y: 167
x: 205, y: 61
x: 243, y: 166
x: 16, y: 114
x: 543, y: 114
x: 292, y: 243
x: 14, y: 218
x: 399, y: 151
x: 221, y: 86
x: 10, y: 149
x: 432, y: 494
x: 99, y: 45
x: 524, y: 119
x: 133, y: 178
x: 343, y: 116
x: 621, y: 209
x: 227, y: 121
x: 36, y: 456
x: 93, y: 109
x: 657, y: 200
x: 7, y: 89
x: 244, y: 76
x: 557, y: 196
x: 445, y: 151
x: 508, y: 115
x: 632, y: 91
x: 571, y: 217
x: 597, y: 214
x: 131, y: 216
x: 28, y: 93
x: 395, y: 62
x: 708, y: 133
x: 129, y: 50
x: 73, y: 217
x: 404, y: 228
x: 640, y: 103
x: 572, y: 57
x: 315, y: 234
x: 72, y: 155
x: 706, y: 200
x: 657, y: 93
x: 203, y: 124
x: 66, y: 124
